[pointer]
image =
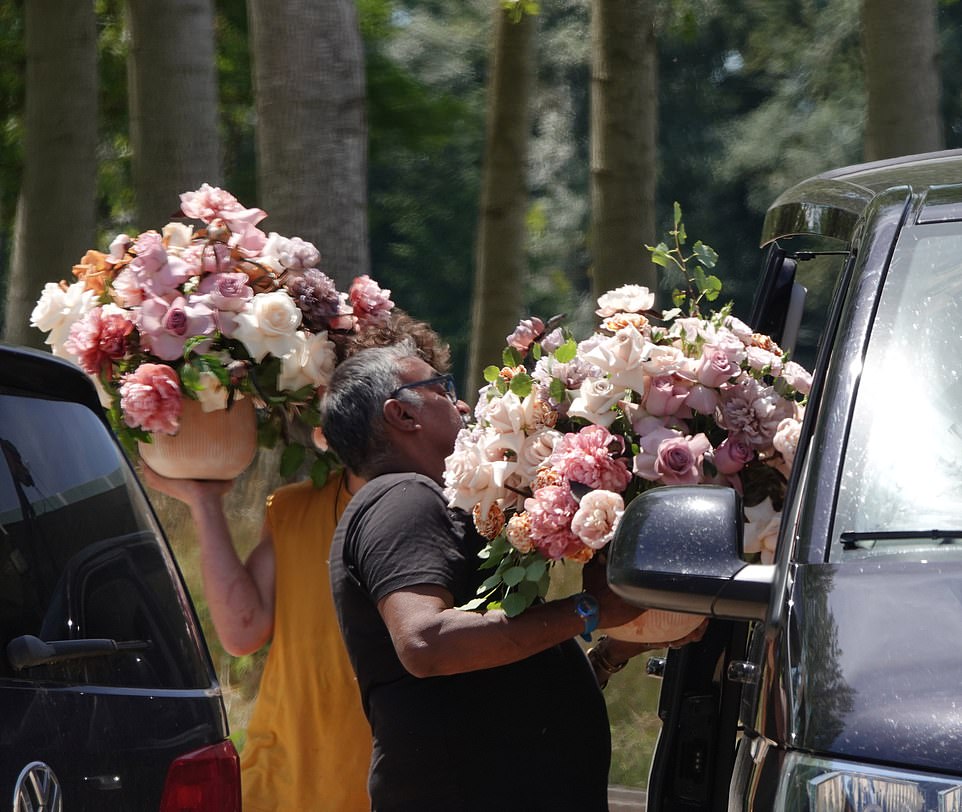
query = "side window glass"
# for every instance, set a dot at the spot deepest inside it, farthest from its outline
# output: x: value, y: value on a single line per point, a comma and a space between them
x: 81, y: 557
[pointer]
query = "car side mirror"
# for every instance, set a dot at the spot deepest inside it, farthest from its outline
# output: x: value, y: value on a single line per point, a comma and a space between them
x: 679, y: 548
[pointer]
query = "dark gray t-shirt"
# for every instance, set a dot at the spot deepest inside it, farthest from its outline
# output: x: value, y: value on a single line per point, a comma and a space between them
x: 528, y: 736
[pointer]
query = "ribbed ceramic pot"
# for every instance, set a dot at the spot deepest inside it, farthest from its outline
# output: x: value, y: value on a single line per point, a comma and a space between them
x: 657, y: 626
x: 209, y: 445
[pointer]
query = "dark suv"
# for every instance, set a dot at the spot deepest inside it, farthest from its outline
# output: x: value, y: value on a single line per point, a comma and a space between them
x: 108, y: 699
x: 831, y: 681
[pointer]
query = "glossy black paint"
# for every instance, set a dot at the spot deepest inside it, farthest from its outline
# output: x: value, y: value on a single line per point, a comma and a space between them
x: 858, y: 659
x: 83, y: 556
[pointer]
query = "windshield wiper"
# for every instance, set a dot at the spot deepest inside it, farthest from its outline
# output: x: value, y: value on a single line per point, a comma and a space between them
x: 27, y: 651
x: 851, y: 539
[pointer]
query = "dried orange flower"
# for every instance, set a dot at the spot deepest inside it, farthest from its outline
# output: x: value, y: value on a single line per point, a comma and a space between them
x: 93, y: 271
x: 519, y: 533
x: 488, y: 526
x: 621, y: 320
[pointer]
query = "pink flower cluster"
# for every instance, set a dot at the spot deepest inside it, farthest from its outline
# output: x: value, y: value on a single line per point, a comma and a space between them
x: 211, y: 311
x: 647, y: 400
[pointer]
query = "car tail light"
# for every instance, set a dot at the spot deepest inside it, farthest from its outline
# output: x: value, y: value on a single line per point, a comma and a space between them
x: 206, y: 780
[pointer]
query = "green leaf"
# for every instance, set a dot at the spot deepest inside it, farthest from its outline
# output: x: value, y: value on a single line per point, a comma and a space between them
x: 292, y: 458
x: 557, y: 390
x: 514, y: 604
x: 511, y: 357
x: 521, y: 385
x: 320, y: 471
x: 489, y: 584
x: 471, y: 605
x: 705, y: 254
x: 659, y: 254
x: 535, y: 569
x: 491, y: 373
x: 712, y: 288
x: 677, y: 212
x: 567, y: 351
x: 536, y: 351
x: 529, y: 591
x: 514, y: 575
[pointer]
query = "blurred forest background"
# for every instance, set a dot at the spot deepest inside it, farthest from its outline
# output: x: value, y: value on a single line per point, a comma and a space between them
x: 484, y: 160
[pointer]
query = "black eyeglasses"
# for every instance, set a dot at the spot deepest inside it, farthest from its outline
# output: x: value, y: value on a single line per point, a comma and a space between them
x: 446, y: 380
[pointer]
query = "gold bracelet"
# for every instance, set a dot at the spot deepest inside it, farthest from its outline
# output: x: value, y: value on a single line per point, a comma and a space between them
x: 596, y: 655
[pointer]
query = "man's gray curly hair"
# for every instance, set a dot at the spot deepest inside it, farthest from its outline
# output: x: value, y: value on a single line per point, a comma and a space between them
x: 352, y: 416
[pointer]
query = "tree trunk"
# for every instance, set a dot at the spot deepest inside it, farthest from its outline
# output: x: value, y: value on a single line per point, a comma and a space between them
x: 311, y: 130
x: 173, y: 104
x: 55, y: 219
x: 900, y: 49
x: 624, y: 124
x: 500, y: 249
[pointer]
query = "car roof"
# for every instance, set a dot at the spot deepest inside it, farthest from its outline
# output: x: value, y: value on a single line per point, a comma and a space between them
x: 830, y: 204
x: 46, y: 374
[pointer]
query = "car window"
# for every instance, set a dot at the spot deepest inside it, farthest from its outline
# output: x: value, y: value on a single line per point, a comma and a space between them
x: 81, y: 554
x: 901, y: 484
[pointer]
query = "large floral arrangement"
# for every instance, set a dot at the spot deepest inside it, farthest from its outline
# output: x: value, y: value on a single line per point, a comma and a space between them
x: 214, y: 311
x: 566, y: 433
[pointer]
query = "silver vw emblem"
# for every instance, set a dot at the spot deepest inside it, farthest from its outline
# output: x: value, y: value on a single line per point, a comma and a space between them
x: 37, y: 790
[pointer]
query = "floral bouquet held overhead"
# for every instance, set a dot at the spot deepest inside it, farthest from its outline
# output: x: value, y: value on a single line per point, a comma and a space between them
x: 567, y: 432
x: 190, y: 328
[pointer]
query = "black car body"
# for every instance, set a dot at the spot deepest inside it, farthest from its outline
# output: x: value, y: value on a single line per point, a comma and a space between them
x: 108, y: 698
x: 832, y: 679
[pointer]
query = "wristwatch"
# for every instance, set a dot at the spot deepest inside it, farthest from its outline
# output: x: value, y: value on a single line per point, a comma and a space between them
x: 587, y: 608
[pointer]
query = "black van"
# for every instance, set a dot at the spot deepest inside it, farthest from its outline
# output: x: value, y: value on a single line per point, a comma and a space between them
x: 108, y: 698
x: 831, y: 680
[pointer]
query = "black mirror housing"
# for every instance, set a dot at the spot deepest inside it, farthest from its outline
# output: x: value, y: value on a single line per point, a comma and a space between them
x: 679, y: 548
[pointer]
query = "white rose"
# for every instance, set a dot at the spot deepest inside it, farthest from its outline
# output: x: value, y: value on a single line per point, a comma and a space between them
x: 740, y: 329
x: 291, y: 253
x: 268, y: 325
x: 761, y: 359
x: 504, y: 414
x: 622, y: 356
x: 665, y: 360
x: 626, y: 299
x: 534, y: 451
x: 786, y: 437
x: 178, y: 235
x: 595, y: 400
x: 58, y: 310
x: 309, y: 363
x: 470, y: 476
x: 213, y: 395
x: 761, y: 530
x: 597, y: 518
x: 797, y: 377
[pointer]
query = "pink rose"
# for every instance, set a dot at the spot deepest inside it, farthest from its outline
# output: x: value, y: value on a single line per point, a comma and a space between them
x: 525, y: 334
x: 150, y: 398
x: 210, y: 203
x: 226, y: 291
x: 716, y: 367
x: 597, y: 518
x: 588, y: 457
x: 550, y: 512
x: 702, y: 399
x: 99, y: 338
x: 371, y: 303
x: 665, y: 395
x: 796, y: 376
x: 680, y: 459
x: 166, y: 326
x: 733, y: 454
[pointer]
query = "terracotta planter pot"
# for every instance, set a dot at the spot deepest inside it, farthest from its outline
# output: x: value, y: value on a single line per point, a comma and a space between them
x: 209, y: 445
x: 657, y: 626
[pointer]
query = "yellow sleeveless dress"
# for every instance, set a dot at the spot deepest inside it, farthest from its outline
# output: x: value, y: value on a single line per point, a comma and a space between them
x: 308, y: 743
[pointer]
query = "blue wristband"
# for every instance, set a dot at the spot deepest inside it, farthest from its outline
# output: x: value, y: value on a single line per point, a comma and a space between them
x: 587, y: 608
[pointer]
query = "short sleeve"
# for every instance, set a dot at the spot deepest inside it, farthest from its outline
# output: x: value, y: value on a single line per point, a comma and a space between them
x: 408, y: 537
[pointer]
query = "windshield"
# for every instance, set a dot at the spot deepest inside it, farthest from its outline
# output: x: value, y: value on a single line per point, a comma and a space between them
x: 901, y: 485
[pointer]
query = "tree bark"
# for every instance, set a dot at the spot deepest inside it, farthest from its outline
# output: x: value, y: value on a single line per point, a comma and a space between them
x: 500, y: 248
x: 900, y: 51
x: 624, y: 130
x: 311, y: 129
x: 173, y: 96
x: 55, y: 218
